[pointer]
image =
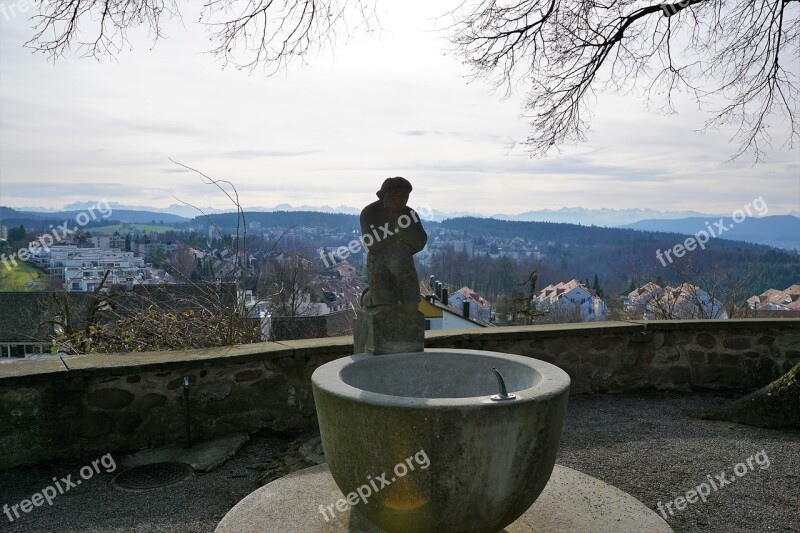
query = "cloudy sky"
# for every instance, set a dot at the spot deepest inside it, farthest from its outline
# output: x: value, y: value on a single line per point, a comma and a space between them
x: 389, y: 102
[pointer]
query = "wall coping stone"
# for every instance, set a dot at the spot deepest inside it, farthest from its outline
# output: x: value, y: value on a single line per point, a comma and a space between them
x: 38, y: 367
x: 300, y: 352
x: 66, y: 367
x: 724, y: 324
x: 540, y: 331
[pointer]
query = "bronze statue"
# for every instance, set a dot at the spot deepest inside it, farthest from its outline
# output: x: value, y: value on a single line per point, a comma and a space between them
x: 391, y: 233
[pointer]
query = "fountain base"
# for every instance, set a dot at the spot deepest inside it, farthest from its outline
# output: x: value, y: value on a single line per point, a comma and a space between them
x: 571, y: 502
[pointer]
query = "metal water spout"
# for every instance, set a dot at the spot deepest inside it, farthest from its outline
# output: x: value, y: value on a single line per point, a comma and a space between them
x: 503, y: 394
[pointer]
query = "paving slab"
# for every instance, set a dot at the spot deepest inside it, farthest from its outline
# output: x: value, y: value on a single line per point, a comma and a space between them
x: 203, y: 456
x: 572, y: 502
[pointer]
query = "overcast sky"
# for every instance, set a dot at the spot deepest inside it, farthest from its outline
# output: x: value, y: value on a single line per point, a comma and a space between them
x: 387, y: 103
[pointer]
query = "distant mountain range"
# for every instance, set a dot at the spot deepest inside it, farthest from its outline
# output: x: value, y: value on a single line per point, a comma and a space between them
x: 187, y: 212
x: 780, y: 231
x: 567, y: 215
x: 597, y: 217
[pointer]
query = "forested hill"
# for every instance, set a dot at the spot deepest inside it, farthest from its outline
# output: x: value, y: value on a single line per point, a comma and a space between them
x: 33, y: 219
x: 618, y: 255
x: 573, y: 234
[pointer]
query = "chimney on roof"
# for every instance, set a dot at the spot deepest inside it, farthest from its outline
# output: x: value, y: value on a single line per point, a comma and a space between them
x: 445, y: 296
x: 465, y: 308
x: 432, y: 280
x: 438, y: 289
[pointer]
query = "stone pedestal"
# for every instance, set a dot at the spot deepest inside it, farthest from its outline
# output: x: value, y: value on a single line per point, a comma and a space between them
x: 572, y: 502
x: 389, y: 329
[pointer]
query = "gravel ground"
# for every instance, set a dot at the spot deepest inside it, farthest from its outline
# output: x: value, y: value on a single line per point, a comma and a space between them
x: 645, y: 444
x: 648, y: 445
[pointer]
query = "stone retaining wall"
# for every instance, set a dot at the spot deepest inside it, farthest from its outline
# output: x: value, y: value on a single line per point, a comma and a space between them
x: 87, y: 405
x: 665, y: 355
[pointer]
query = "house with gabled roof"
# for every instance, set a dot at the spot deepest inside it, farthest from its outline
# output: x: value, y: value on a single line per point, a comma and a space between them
x: 572, y: 293
x: 685, y: 301
x: 478, y: 306
x: 777, y: 300
x: 440, y: 313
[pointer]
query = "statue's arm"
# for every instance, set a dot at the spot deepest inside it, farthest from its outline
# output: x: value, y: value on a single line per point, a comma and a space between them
x: 370, y: 225
x: 414, y: 236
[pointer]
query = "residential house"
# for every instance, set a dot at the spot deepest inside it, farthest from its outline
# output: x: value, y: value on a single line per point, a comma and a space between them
x: 641, y: 301
x: 441, y: 314
x: 572, y: 293
x: 686, y: 301
x: 777, y: 300
x: 478, y: 307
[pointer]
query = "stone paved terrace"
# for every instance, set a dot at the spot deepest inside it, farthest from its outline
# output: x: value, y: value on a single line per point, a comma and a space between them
x: 645, y: 443
x: 629, y: 421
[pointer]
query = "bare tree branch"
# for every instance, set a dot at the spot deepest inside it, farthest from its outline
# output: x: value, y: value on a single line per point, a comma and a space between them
x: 61, y: 25
x: 244, y: 33
x: 741, y: 52
x: 567, y: 50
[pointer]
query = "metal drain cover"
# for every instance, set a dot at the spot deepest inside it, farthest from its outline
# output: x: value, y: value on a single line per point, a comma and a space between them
x: 151, y: 476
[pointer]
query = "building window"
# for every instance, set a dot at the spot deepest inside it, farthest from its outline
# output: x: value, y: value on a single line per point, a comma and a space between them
x: 427, y: 324
x: 17, y: 350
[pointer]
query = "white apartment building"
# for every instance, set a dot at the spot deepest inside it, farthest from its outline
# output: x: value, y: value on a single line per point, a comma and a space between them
x: 573, y: 293
x: 777, y: 300
x: 108, y: 241
x: 151, y: 248
x: 82, y: 269
x: 686, y: 301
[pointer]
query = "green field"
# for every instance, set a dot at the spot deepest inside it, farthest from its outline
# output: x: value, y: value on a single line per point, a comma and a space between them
x: 132, y: 228
x: 16, y: 278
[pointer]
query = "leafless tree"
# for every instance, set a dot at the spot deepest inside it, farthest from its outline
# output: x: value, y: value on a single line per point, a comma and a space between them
x: 288, y: 280
x: 703, y: 293
x: 113, y: 320
x: 266, y: 32
x: 736, y: 59
x: 741, y: 51
x: 244, y: 33
x: 524, y: 301
x: 182, y: 261
x: 154, y: 317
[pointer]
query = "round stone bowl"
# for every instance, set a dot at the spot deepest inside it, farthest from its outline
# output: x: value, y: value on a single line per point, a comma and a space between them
x: 416, y: 443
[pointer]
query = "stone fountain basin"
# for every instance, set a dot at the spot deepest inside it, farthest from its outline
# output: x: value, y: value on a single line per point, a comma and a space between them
x: 488, y: 460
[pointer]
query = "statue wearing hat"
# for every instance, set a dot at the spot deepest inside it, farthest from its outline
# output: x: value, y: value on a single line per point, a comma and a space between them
x: 389, y: 320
